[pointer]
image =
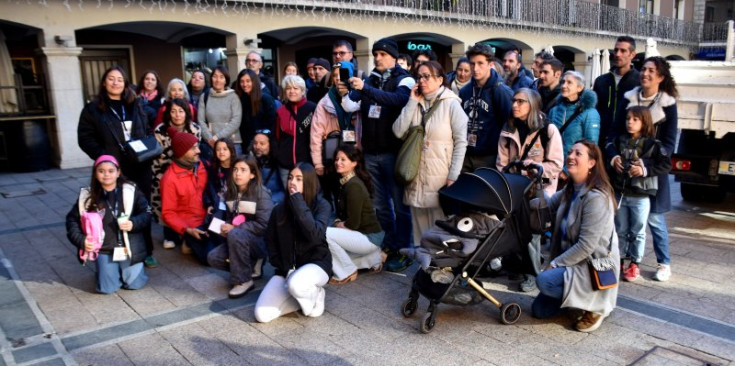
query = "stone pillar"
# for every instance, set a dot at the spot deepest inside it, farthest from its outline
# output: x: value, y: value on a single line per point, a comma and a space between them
x: 458, y: 51
x: 64, y: 78
x: 583, y: 64
x: 364, y: 54
x: 699, y: 9
x: 238, y: 47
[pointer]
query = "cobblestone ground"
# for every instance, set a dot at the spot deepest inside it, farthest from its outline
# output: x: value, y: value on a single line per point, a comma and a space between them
x: 50, y: 315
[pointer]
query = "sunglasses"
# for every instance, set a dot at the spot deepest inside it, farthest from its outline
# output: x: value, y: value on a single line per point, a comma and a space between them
x: 264, y: 131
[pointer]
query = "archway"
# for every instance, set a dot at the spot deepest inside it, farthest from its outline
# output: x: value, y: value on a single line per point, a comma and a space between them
x: 411, y: 43
x: 568, y: 55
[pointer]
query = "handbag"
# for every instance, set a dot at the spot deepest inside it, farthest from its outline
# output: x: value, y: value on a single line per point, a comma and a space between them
x: 409, y: 156
x: 144, y: 149
x: 602, y: 271
x: 329, y: 147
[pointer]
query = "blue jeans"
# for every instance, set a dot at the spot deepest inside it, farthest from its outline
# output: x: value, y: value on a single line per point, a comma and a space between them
x: 111, y: 276
x: 630, y: 224
x: 660, y: 233
x: 394, y: 216
x: 551, y: 282
x: 201, y: 248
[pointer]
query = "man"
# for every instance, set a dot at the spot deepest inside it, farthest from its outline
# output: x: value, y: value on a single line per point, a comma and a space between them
x: 321, y: 79
x: 422, y: 56
x: 254, y: 61
x: 381, y: 97
x: 342, y: 51
x: 405, y: 61
x: 487, y: 102
x: 513, y: 77
x: 182, y: 189
x: 538, y: 59
x: 549, y: 85
x: 610, y: 87
x: 311, y: 77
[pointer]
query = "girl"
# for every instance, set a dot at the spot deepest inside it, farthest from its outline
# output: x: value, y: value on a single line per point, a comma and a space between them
x: 642, y: 159
x: 248, y: 207
x: 177, y: 116
x: 297, y: 249
x: 356, y: 237
x: 218, y: 172
x: 125, y: 215
x: 267, y: 164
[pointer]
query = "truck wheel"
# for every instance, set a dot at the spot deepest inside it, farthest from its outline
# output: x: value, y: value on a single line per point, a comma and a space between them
x: 690, y: 193
x: 696, y: 193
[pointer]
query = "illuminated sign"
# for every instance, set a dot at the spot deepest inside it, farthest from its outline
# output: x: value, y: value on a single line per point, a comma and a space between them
x: 418, y: 46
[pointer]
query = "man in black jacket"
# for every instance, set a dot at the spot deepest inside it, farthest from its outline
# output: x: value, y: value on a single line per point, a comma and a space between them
x: 382, y: 96
x: 254, y: 61
x: 611, y: 86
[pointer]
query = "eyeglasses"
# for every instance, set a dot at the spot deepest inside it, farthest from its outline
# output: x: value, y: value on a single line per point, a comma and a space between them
x: 519, y: 101
x: 425, y: 76
x: 264, y: 131
x: 340, y: 53
x: 254, y: 60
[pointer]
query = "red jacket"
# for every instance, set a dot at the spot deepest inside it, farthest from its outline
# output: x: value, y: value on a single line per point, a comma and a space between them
x: 182, y: 197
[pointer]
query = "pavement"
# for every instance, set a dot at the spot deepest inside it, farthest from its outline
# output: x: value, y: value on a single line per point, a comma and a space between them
x: 50, y: 315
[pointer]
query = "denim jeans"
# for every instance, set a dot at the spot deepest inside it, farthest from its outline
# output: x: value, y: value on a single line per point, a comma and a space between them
x: 660, y: 233
x: 630, y: 224
x: 111, y: 276
x: 394, y: 216
x: 551, y: 282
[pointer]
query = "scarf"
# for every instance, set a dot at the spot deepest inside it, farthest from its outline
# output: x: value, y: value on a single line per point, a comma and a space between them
x: 346, y: 178
x: 287, y: 113
x: 343, y: 118
x: 188, y: 166
x: 149, y: 96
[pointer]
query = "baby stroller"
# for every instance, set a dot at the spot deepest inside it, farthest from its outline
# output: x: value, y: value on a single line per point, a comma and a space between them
x: 484, y: 191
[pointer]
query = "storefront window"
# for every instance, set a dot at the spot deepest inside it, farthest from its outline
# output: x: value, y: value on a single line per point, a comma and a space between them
x: 203, y: 58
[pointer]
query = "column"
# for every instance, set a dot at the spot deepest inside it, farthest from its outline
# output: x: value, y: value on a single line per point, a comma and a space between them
x: 238, y: 47
x: 364, y: 54
x: 458, y: 51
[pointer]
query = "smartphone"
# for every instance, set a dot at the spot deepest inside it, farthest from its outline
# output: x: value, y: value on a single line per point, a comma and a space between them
x: 418, y: 91
x: 344, y: 75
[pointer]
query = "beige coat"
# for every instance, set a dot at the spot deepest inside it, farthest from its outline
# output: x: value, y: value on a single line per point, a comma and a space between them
x: 445, y: 143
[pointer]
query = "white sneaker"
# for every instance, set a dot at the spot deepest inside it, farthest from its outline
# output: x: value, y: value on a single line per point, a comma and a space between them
x: 496, y: 264
x: 258, y: 269
x: 319, y: 304
x: 185, y: 248
x: 241, y: 289
x: 168, y: 244
x: 663, y: 273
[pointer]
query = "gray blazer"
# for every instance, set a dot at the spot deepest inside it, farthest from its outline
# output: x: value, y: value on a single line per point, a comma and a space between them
x: 590, y: 231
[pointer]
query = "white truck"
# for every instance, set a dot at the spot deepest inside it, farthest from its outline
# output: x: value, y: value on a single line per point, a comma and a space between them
x: 704, y: 160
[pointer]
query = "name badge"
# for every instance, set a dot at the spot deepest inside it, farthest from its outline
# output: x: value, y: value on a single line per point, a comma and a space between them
x: 374, y: 111
x: 348, y: 136
x: 471, y: 139
x: 127, y: 125
x: 535, y: 151
x: 119, y: 254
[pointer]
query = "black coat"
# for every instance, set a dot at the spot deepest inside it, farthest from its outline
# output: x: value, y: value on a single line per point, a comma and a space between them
x: 654, y: 158
x: 140, y: 216
x: 609, y: 96
x: 297, y: 234
x: 285, y: 149
x: 264, y: 119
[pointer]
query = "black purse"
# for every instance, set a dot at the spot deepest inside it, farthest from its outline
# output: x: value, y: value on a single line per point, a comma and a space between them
x: 144, y: 149
x: 329, y: 147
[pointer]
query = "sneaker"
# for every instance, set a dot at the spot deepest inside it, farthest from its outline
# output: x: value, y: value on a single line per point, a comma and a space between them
x: 318, y: 304
x: 632, y: 273
x: 590, y: 322
x: 257, y: 269
x: 529, y: 284
x: 168, y: 244
x: 241, y: 289
x: 663, y: 273
x: 151, y: 262
x: 185, y: 248
x: 496, y: 264
x: 398, y: 263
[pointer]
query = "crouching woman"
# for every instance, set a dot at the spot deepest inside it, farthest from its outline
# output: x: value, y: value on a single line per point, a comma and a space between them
x: 297, y: 249
x: 125, y: 214
x: 584, y: 229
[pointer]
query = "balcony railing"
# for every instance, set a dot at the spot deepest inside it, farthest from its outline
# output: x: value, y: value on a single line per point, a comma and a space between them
x: 560, y: 15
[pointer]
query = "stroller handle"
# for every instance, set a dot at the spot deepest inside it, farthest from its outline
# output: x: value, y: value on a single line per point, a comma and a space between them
x: 518, y: 164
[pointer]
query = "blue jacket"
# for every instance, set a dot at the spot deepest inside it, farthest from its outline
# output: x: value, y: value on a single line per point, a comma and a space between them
x: 488, y: 111
x: 521, y: 81
x: 585, y: 126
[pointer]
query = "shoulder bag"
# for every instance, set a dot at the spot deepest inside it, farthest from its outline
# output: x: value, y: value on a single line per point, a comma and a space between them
x: 409, y: 156
x: 602, y: 271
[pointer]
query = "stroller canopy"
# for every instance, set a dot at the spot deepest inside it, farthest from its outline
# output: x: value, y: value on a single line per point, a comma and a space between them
x: 486, y: 190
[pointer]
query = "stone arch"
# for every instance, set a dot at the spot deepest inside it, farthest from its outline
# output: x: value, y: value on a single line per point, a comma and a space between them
x: 444, y: 46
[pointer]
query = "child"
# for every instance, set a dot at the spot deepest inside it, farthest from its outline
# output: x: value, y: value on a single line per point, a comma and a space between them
x: 637, y: 158
x: 218, y: 173
x: 125, y: 215
x: 248, y: 207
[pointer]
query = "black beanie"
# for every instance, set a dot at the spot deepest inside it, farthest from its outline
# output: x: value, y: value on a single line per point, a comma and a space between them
x: 388, y: 45
x: 323, y: 63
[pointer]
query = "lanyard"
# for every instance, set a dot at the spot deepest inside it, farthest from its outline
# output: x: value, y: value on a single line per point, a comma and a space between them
x: 113, y: 206
x: 118, y: 115
x: 654, y: 101
x: 474, y: 112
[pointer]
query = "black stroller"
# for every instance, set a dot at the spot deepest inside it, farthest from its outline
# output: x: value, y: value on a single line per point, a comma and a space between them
x: 494, y: 193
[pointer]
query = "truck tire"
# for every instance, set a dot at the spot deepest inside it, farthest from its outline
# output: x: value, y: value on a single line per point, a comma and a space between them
x: 697, y: 193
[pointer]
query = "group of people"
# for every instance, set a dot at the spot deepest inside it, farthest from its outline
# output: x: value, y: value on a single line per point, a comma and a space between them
x: 302, y: 176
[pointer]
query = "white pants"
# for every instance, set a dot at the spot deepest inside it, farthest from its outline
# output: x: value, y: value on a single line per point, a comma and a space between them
x: 351, y: 250
x: 424, y: 219
x: 302, y: 289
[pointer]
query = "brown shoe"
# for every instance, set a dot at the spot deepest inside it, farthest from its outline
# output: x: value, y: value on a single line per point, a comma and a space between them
x: 590, y: 322
x: 350, y: 278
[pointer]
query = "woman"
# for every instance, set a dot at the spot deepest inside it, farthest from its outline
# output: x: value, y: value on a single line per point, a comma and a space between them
x: 439, y: 110
x: 574, y: 112
x: 356, y: 237
x: 584, y: 229
x: 541, y: 141
x: 150, y: 90
x: 178, y: 117
x: 125, y: 217
x: 114, y: 117
x: 268, y: 166
x: 247, y: 210
x: 461, y: 75
x: 658, y: 93
x: 219, y: 172
x: 258, y: 108
x: 290, y: 69
x: 176, y: 89
x: 197, y: 87
x: 220, y: 111
x: 298, y: 250
x: 293, y: 130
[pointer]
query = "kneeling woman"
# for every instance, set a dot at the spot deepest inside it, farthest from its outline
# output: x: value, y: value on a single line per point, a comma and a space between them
x: 584, y: 229
x: 248, y: 207
x: 356, y: 236
x: 297, y: 249
x: 125, y: 214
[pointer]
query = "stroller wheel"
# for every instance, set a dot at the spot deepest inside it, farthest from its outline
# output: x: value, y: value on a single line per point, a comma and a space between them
x: 510, y: 313
x: 427, y: 323
x: 409, y: 307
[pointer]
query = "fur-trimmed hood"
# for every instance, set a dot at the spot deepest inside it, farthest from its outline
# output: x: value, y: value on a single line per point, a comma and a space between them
x: 587, y: 100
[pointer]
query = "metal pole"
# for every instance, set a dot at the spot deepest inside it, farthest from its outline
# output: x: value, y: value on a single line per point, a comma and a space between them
x: 730, y: 48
